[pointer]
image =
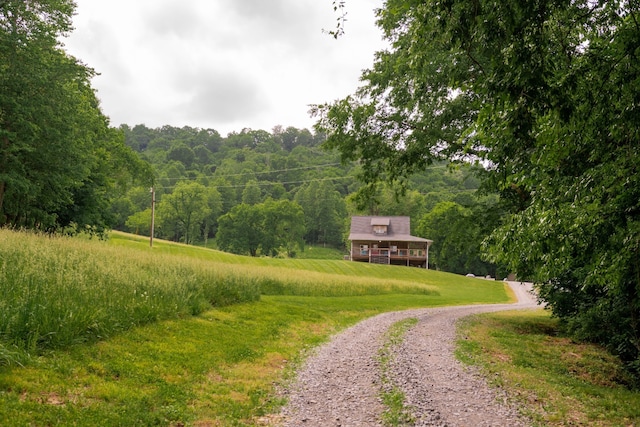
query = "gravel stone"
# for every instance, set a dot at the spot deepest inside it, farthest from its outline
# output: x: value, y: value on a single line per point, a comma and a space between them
x: 339, y: 384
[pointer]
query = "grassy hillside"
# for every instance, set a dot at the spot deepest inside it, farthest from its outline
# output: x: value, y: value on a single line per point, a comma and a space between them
x: 315, y: 276
x: 116, y: 333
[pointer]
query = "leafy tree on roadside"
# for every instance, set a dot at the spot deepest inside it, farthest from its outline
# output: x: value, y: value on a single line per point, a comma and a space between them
x: 546, y: 94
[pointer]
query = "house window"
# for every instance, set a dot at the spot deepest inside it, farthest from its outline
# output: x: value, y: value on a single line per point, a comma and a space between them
x: 380, y: 229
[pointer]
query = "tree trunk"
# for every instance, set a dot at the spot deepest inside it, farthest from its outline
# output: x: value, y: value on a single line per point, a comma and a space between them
x: 3, y: 166
x: 3, y: 185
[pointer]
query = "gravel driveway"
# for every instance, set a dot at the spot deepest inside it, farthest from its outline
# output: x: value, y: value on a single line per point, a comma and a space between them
x: 340, y: 384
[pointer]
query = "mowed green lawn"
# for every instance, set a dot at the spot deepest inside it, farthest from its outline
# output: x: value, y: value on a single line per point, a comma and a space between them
x: 240, y: 327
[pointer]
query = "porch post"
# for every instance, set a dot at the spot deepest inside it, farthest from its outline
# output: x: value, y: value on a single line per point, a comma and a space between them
x: 427, y: 264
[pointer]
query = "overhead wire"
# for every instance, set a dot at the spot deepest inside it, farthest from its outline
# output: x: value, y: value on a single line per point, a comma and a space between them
x: 269, y: 183
x: 256, y: 173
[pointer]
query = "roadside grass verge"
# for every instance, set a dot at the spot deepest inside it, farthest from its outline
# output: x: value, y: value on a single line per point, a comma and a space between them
x: 556, y: 381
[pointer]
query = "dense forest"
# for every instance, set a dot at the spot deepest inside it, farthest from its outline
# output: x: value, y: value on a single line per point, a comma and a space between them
x: 272, y: 193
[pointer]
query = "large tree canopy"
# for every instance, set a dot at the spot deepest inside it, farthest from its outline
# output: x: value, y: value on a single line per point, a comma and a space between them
x: 547, y: 94
x: 269, y: 228
x: 59, y: 160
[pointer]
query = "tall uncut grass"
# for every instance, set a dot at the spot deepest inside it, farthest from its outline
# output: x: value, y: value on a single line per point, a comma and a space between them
x: 57, y: 292
x: 218, y: 368
x: 299, y: 277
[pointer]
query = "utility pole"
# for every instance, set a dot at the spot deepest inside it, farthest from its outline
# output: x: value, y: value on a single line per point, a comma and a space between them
x: 153, y: 215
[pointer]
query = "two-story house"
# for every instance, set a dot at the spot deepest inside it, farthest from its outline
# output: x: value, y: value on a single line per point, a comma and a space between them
x: 387, y: 240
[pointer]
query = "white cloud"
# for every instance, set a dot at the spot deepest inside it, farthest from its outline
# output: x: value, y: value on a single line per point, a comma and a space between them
x: 226, y: 96
x: 223, y: 64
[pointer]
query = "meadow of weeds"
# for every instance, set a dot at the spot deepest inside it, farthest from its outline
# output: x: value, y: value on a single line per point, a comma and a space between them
x: 60, y: 291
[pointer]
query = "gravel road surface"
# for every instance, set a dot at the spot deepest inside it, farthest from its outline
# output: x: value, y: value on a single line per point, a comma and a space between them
x: 340, y: 384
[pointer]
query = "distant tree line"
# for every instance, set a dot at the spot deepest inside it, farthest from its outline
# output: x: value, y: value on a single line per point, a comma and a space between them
x: 208, y: 186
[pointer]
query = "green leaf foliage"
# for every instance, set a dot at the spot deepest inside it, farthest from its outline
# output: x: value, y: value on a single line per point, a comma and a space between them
x: 457, y: 235
x: 240, y: 230
x: 268, y: 228
x: 324, y: 212
x: 183, y: 212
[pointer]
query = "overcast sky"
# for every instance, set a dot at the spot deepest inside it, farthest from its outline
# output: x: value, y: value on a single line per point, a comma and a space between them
x: 221, y: 64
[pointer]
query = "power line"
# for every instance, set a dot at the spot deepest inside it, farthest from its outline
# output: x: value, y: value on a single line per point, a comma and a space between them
x: 266, y: 183
x: 255, y: 173
x: 269, y: 183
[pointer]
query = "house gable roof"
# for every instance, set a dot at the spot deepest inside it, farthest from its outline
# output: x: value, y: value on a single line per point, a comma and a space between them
x: 398, y: 229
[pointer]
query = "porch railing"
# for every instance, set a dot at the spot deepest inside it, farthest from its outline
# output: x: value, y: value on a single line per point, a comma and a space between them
x: 413, y: 253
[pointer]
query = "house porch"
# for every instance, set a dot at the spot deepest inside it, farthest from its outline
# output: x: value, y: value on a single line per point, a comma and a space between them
x: 414, y: 254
